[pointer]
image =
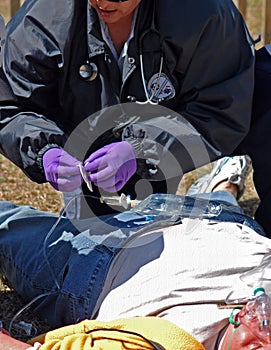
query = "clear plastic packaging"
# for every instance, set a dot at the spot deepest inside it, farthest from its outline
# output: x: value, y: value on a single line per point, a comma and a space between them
x: 169, y: 204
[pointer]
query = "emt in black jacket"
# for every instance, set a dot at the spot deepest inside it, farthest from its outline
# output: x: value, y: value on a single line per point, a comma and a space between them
x: 132, y: 93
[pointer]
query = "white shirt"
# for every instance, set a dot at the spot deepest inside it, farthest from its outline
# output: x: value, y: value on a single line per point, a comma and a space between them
x: 107, y: 38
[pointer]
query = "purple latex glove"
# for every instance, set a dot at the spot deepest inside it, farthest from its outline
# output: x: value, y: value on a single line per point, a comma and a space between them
x: 61, y: 170
x: 113, y: 165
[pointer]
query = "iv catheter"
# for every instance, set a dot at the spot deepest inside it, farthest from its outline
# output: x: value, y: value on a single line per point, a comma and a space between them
x: 122, y: 200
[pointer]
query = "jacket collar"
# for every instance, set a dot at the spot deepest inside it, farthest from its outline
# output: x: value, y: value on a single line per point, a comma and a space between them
x: 96, y: 45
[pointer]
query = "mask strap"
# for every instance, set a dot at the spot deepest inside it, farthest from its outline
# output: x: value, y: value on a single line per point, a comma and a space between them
x: 235, y: 323
x: 231, y: 318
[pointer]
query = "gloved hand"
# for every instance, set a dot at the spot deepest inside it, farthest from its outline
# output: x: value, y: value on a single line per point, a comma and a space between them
x: 113, y: 165
x: 61, y: 170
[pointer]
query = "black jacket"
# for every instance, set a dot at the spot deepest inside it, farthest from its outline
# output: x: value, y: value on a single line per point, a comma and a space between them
x: 208, y: 60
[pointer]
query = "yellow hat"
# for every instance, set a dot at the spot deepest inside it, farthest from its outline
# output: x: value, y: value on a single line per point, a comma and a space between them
x: 136, y: 333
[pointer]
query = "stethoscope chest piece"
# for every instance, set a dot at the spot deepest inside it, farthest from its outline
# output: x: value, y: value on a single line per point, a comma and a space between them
x: 88, y: 71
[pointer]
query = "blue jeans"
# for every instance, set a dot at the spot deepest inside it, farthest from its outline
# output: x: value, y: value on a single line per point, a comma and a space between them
x: 63, y: 270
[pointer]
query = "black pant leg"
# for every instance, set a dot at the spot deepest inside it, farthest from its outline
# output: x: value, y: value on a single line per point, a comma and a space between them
x: 257, y: 144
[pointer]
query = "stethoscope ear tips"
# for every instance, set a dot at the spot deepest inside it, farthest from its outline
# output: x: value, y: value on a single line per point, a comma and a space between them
x: 88, y: 71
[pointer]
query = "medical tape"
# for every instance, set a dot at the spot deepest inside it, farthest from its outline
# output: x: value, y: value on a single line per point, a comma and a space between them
x: 84, y: 175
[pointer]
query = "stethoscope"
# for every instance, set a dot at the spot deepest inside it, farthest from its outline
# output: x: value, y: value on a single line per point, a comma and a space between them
x: 89, y: 70
x: 150, y: 97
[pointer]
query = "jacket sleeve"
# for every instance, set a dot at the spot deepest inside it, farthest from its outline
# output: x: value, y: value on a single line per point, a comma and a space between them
x: 25, y: 137
x: 216, y: 79
x: 32, y: 59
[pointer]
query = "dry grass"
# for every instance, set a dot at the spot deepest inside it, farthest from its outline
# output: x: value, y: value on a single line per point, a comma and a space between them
x: 16, y: 187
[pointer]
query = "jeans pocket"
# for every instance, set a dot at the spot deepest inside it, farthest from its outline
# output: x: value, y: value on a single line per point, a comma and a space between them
x: 85, y: 275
